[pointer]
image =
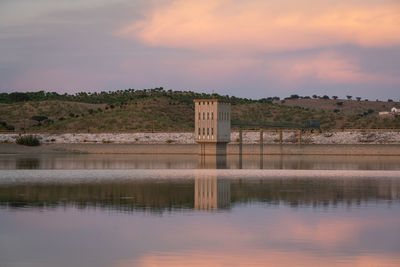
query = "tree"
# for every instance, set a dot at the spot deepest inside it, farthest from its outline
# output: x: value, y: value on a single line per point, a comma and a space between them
x: 349, y: 97
x: 39, y: 118
x: 18, y: 97
x: 325, y: 97
x: 314, y: 96
x: 358, y: 98
x: 335, y: 97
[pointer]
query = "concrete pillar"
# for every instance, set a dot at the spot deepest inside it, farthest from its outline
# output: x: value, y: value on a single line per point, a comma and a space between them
x: 240, y: 148
x: 240, y: 141
x: 261, y: 148
x: 299, y: 137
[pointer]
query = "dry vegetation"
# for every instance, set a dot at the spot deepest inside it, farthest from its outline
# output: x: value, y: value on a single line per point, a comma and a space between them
x: 165, y: 114
x: 345, y: 107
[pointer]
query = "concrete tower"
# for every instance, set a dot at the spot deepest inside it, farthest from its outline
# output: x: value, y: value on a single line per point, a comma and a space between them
x: 212, y: 125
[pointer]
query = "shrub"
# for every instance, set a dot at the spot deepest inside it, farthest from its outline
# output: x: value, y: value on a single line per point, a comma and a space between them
x: 6, y: 126
x: 28, y: 140
x: 39, y: 118
x: 10, y: 127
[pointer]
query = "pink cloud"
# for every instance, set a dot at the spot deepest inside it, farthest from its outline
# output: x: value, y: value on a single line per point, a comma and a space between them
x: 327, y: 67
x: 267, y: 25
x: 255, y: 258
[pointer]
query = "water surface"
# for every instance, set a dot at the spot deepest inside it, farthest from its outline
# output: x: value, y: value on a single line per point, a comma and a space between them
x: 190, y: 161
x: 179, y: 210
x: 201, y: 218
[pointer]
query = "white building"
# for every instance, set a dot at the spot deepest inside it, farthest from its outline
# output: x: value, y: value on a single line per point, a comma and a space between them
x: 212, y: 125
x: 393, y: 111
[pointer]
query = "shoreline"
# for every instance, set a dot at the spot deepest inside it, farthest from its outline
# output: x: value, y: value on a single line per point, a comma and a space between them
x: 329, y: 143
x: 248, y: 137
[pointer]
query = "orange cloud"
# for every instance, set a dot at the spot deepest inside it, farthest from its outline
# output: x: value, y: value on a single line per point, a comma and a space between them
x: 256, y: 258
x: 267, y: 25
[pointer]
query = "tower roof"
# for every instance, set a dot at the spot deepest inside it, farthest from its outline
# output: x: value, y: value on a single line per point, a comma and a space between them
x: 212, y: 100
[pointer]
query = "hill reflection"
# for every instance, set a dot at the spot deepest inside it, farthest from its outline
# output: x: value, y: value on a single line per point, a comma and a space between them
x: 200, y: 192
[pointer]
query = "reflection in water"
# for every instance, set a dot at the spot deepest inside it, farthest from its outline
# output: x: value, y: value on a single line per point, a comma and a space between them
x: 201, y: 192
x: 211, y: 193
x: 27, y: 163
x: 128, y: 161
x: 262, y: 222
x: 211, y: 161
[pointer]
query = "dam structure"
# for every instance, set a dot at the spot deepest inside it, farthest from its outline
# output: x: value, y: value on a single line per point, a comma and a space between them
x: 212, y: 126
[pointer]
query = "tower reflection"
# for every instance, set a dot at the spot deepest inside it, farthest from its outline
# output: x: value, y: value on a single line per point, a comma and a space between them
x: 211, y: 161
x: 211, y: 192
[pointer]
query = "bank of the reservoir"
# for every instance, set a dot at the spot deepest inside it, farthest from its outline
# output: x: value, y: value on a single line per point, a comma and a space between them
x: 249, y: 137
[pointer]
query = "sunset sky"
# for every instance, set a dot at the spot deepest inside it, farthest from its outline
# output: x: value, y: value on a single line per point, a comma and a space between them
x: 247, y: 48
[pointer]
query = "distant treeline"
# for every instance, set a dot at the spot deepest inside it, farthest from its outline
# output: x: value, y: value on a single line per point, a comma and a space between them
x: 122, y: 96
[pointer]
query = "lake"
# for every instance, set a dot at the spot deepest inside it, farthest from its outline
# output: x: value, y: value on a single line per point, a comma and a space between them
x: 182, y: 210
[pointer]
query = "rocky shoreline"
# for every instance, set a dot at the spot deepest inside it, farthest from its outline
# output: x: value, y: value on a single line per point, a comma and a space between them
x: 249, y: 137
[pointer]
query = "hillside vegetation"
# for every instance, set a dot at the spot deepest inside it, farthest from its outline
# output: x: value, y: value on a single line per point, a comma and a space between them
x: 159, y: 110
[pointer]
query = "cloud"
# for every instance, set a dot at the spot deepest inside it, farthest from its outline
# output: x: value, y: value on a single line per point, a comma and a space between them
x: 267, y: 25
x: 255, y: 258
x: 330, y: 67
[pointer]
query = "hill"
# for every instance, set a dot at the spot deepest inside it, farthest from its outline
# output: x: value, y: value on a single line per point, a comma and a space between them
x: 158, y: 110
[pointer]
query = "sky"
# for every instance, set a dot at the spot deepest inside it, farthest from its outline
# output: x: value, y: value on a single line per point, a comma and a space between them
x: 246, y: 48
